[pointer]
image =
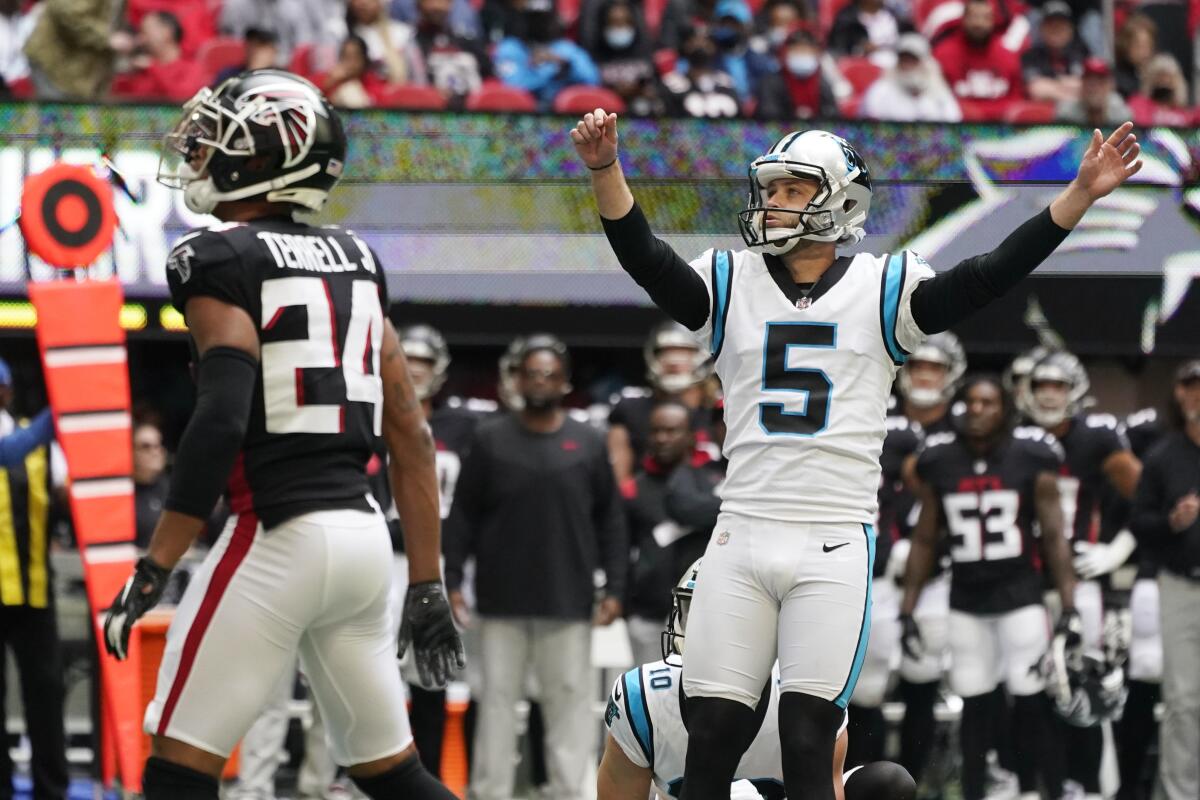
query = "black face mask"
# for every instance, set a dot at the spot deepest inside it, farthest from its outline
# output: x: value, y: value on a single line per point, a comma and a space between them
x: 1162, y: 94
x: 698, y: 57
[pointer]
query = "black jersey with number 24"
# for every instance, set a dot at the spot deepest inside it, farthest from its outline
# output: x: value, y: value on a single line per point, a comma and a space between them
x: 988, y: 510
x: 318, y: 298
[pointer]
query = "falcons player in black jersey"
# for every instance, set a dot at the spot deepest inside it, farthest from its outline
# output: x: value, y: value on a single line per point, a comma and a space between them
x: 1098, y: 457
x: 299, y: 372
x: 452, y: 426
x: 987, y: 487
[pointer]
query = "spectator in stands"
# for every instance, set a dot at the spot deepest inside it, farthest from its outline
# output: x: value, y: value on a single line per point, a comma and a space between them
x: 913, y: 90
x: 1052, y: 67
x: 866, y: 28
x: 262, y: 52
x: 778, y: 18
x: 455, y: 64
x: 1136, y: 44
x: 150, y: 480
x: 1099, y: 105
x: 798, y: 90
x: 500, y: 19
x: 537, y: 507
x: 977, y: 65
x: 623, y: 58
x: 462, y: 19
x: 681, y: 17
x: 542, y: 61
x: 160, y: 70
x: 730, y: 32
x: 697, y: 87
x: 351, y: 84
x: 392, y: 51
x: 295, y: 22
x: 71, y: 49
x: 16, y: 24
x: 593, y: 24
x: 1163, y: 99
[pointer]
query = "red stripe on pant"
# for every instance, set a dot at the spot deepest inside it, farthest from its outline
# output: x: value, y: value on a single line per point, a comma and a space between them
x: 239, y: 545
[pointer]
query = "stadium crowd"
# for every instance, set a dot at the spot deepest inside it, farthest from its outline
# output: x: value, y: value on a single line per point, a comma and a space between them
x: 535, y: 493
x: 903, y: 60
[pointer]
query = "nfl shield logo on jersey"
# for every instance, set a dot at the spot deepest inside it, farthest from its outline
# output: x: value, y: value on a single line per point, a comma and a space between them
x: 723, y: 537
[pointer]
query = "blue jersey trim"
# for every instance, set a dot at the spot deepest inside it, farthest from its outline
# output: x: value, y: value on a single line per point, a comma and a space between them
x: 639, y: 712
x: 889, y: 306
x: 722, y: 280
x: 864, y: 634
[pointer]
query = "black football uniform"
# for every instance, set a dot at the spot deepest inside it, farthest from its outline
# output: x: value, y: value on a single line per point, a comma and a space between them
x: 1143, y: 429
x: 318, y: 297
x: 902, y: 440
x: 1088, y: 443
x: 988, y: 510
x: 452, y: 428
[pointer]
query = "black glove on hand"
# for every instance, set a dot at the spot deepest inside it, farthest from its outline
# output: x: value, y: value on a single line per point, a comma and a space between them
x: 1070, y: 629
x: 429, y: 627
x: 140, y: 594
x: 910, y: 637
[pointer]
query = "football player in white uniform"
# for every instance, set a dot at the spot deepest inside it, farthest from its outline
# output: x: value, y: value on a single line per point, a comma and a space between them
x: 806, y: 345
x: 648, y: 734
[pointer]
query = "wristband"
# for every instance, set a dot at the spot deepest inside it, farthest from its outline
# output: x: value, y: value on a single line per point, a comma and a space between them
x: 606, y: 166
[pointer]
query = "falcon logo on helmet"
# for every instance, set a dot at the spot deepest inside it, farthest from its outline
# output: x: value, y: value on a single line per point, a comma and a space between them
x: 941, y: 349
x: 836, y: 213
x: 1058, y: 386
x: 674, y: 359
x: 264, y: 134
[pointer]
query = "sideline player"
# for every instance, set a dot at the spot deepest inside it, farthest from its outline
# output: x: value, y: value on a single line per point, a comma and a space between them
x: 648, y: 733
x: 299, y: 373
x: 987, y: 486
x: 806, y: 357
x: 1098, y: 457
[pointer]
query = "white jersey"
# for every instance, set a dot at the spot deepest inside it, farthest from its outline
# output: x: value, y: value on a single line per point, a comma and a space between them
x: 644, y: 719
x: 807, y: 379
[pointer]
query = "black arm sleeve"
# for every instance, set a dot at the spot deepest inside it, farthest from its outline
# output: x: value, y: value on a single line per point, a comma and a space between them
x: 948, y: 298
x: 225, y: 379
x: 671, y: 283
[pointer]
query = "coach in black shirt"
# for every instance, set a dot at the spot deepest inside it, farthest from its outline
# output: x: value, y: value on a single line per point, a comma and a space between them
x: 1166, y: 519
x: 537, y: 507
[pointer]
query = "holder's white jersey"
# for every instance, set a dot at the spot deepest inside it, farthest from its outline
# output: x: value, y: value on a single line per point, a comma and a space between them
x: 807, y: 379
x: 643, y: 716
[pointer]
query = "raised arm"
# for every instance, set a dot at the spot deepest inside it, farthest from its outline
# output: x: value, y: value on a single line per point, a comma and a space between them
x: 950, y: 297
x: 671, y: 283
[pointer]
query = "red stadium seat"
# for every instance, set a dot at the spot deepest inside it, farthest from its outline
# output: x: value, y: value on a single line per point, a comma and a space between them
x: 1029, y: 112
x: 582, y: 99
x: 411, y: 97
x: 973, y: 111
x: 568, y: 13
x: 653, y: 10
x: 827, y: 10
x: 859, y: 71
x: 221, y: 53
x: 301, y: 62
x: 494, y: 96
x: 199, y: 20
x: 664, y: 60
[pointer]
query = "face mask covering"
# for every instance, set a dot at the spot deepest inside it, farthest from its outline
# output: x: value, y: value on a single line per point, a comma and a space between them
x: 725, y: 38
x: 1162, y: 94
x: 913, y: 80
x: 802, y: 65
x: 776, y: 36
x: 619, y: 38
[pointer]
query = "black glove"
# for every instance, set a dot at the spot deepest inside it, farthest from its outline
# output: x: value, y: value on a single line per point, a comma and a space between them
x: 429, y: 626
x: 139, y: 594
x: 910, y: 637
x: 1070, y: 630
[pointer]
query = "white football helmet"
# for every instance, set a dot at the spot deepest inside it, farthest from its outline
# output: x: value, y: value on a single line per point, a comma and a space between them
x: 1049, y: 408
x: 681, y: 604
x: 673, y: 375
x: 1016, y: 376
x: 940, y: 348
x: 425, y: 343
x: 836, y: 213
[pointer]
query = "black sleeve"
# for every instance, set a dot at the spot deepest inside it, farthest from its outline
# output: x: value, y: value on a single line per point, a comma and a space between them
x: 610, y: 525
x: 210, y: 445
x: 671, y: 283
x: 948, y: 298
x: 1149, y: 518
x: 462, y: 524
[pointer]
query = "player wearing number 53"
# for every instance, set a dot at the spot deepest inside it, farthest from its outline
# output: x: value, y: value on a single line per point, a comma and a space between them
x: 989, y: 487
x: 298, y: 375
x: 806, y: 344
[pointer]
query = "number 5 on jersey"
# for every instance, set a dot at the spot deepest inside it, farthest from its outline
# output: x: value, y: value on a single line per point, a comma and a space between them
x: 283, y: 362
x: 779, y: 376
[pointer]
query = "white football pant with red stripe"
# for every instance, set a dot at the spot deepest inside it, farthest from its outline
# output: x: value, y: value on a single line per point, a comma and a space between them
x: 316, y: 585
